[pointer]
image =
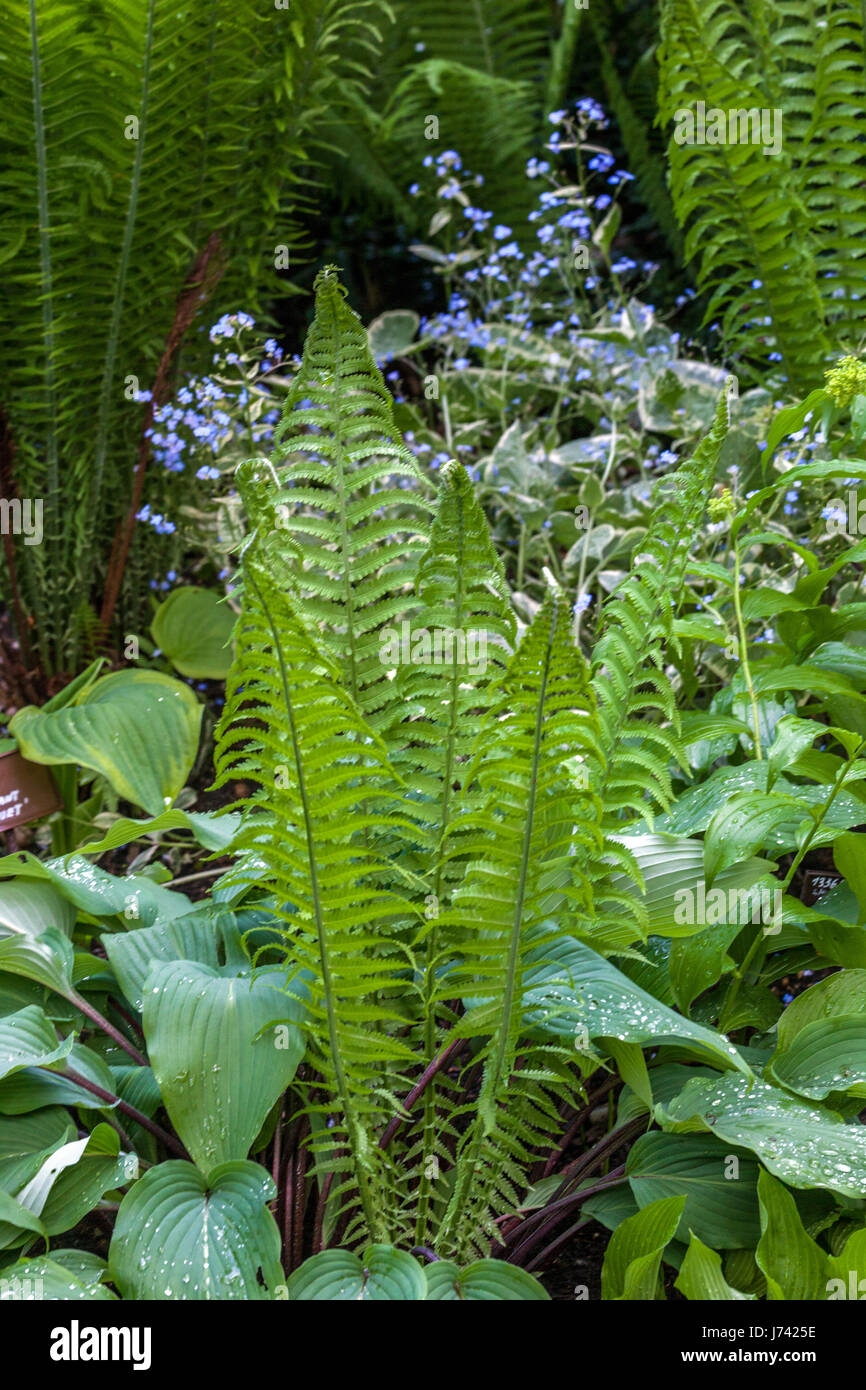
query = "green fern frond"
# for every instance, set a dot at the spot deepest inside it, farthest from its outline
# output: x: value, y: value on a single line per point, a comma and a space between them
x: 633, y: 690
x: 323, y: 779
x: 744, y: 209
x: 351, y: 497
x: 531, y: 845
x: 110, y: 190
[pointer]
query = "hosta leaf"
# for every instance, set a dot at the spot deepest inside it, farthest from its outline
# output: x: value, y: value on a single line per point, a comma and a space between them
x: 46, y: 1279
x: 96, y: 892
x: 793, y: 1263
x: 218, y: 1072
x: 742, y: 825
x: 671, y: 867
x: 28, y: 1039
x: 698, y: 962
x: 719, y: 1187
x: 193, y: 627
x: 47, y: 959
x: 822, y: 1038
x: 802, y: 1144
x: 383, y: 1274
x: 485, y: 1280
x: 701, y: 1276
x: 204, y: 935
x: 31, y: 907
x: 35, y: 1087
x: 179, y: 1235
x: 73, y: 1179
x: 577, y: 989
x: 211, y: 832
x: 139, y: 729
x: 29, y: 1134
x: 15, y: 1219
x: 823, y: 1057
x: 633, y: 1258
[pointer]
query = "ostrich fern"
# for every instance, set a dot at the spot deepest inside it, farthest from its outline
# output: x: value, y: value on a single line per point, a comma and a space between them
x: 779, y: 237
x: 134, y: 130
x: 430, y: 830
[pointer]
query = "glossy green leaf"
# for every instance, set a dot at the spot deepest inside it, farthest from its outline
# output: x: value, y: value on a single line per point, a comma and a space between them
x: 382, y: 1274
x: 28, y: 1039
x: 483, y: 1281
x: 139, y: 729
x: 44, y: 1278
x: 719, y: 1186
x: 634, y: 1253
x: 803, y: 1144
x: 30, y: 907
x: 46, y: 959
x: 701, y: 1278
x: 193, y: 627
x: 204, y: 935
x: 92, y: 890
x: 577, y: 992
x: 219, y: 1060
x: 179, y: 1235
x: 210, y: 831
x: 794, y: 1265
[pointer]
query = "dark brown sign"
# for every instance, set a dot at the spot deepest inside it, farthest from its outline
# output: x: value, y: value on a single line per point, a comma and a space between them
x: 27, y: 791
x: 816, y: 883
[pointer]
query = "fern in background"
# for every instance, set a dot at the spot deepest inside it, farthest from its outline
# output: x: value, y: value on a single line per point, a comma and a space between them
x: 779, y: 237
x: 484, y: 69
x: 135, y: 132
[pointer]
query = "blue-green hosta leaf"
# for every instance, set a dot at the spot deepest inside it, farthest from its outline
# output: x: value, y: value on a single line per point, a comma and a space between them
x: 139, y: 729
x: 29, y: 1134
x: 179, y: 1235
x: 28, y: 1039
x: 218, y: 1058
x: 804, y: 1145
x: 695, y: 808
x: 633, y: 1258
x: 483, y: 1281
x: 47, y: 1279
x: 96, y: 892
x: 719, y: 1186
x: 576, y: 992
x: 34, y: 1087
x: 383, y: 1274
x: 822, y: 1038
x: 824, y: 1057
x: 47, y: 959
x: 31, y: 907
x: 673, y: 866
x: 203, y: 935
x: 193, y: 627
x: 701, y: 1278
x: 74, y: 1178
x: 210, y: 831
x: 743, y: 824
